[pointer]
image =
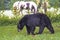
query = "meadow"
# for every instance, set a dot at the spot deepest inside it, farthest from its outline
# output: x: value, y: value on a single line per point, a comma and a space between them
x: 8, y: 26
x: 8, y: 29
x: 10, y: 33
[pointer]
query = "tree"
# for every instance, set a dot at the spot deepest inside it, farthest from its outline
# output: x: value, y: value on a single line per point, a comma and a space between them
x: 54, y: 3
x: 1, y: 4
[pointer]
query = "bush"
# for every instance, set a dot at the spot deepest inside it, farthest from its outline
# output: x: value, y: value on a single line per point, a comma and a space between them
x: 6, y: 21
x: 53, y: 16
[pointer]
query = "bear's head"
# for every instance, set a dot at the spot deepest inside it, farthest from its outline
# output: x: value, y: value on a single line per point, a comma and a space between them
x: 20, y: 27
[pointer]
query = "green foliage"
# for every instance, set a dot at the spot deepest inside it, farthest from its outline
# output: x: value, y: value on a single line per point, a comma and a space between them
x: 53, y: 16
x: 6, y: 21
x: 13, y: 21
x: 1, y: 4
x: 54, y: 3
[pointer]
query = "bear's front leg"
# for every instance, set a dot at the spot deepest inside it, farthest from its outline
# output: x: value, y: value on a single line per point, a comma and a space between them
x: 32, y: 30
x: 28, y: 30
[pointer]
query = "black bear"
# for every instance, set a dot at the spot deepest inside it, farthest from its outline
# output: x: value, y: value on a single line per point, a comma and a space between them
x: 33, y: 20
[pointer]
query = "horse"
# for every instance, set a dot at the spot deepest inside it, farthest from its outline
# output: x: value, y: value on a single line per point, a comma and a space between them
x: 31, y: 6
x: 18, y: 5
x: 21, y: 5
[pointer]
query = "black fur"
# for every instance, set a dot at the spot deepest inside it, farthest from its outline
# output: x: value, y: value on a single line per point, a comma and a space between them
x: 33, y: 20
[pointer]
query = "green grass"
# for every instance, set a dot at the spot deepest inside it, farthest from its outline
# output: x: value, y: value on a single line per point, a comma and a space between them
x: 10, y: 33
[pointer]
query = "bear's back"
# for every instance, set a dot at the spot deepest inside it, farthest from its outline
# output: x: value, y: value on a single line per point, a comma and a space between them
x: 34, y: 19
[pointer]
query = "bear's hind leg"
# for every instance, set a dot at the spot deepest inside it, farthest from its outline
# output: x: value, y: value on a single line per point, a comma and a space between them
x: 41, y: 28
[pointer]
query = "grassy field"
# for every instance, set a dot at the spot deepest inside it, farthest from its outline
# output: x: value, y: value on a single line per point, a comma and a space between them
x: 10, y: 33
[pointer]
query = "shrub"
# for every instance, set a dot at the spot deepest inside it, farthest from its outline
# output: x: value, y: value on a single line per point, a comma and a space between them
x: 6, y: 21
